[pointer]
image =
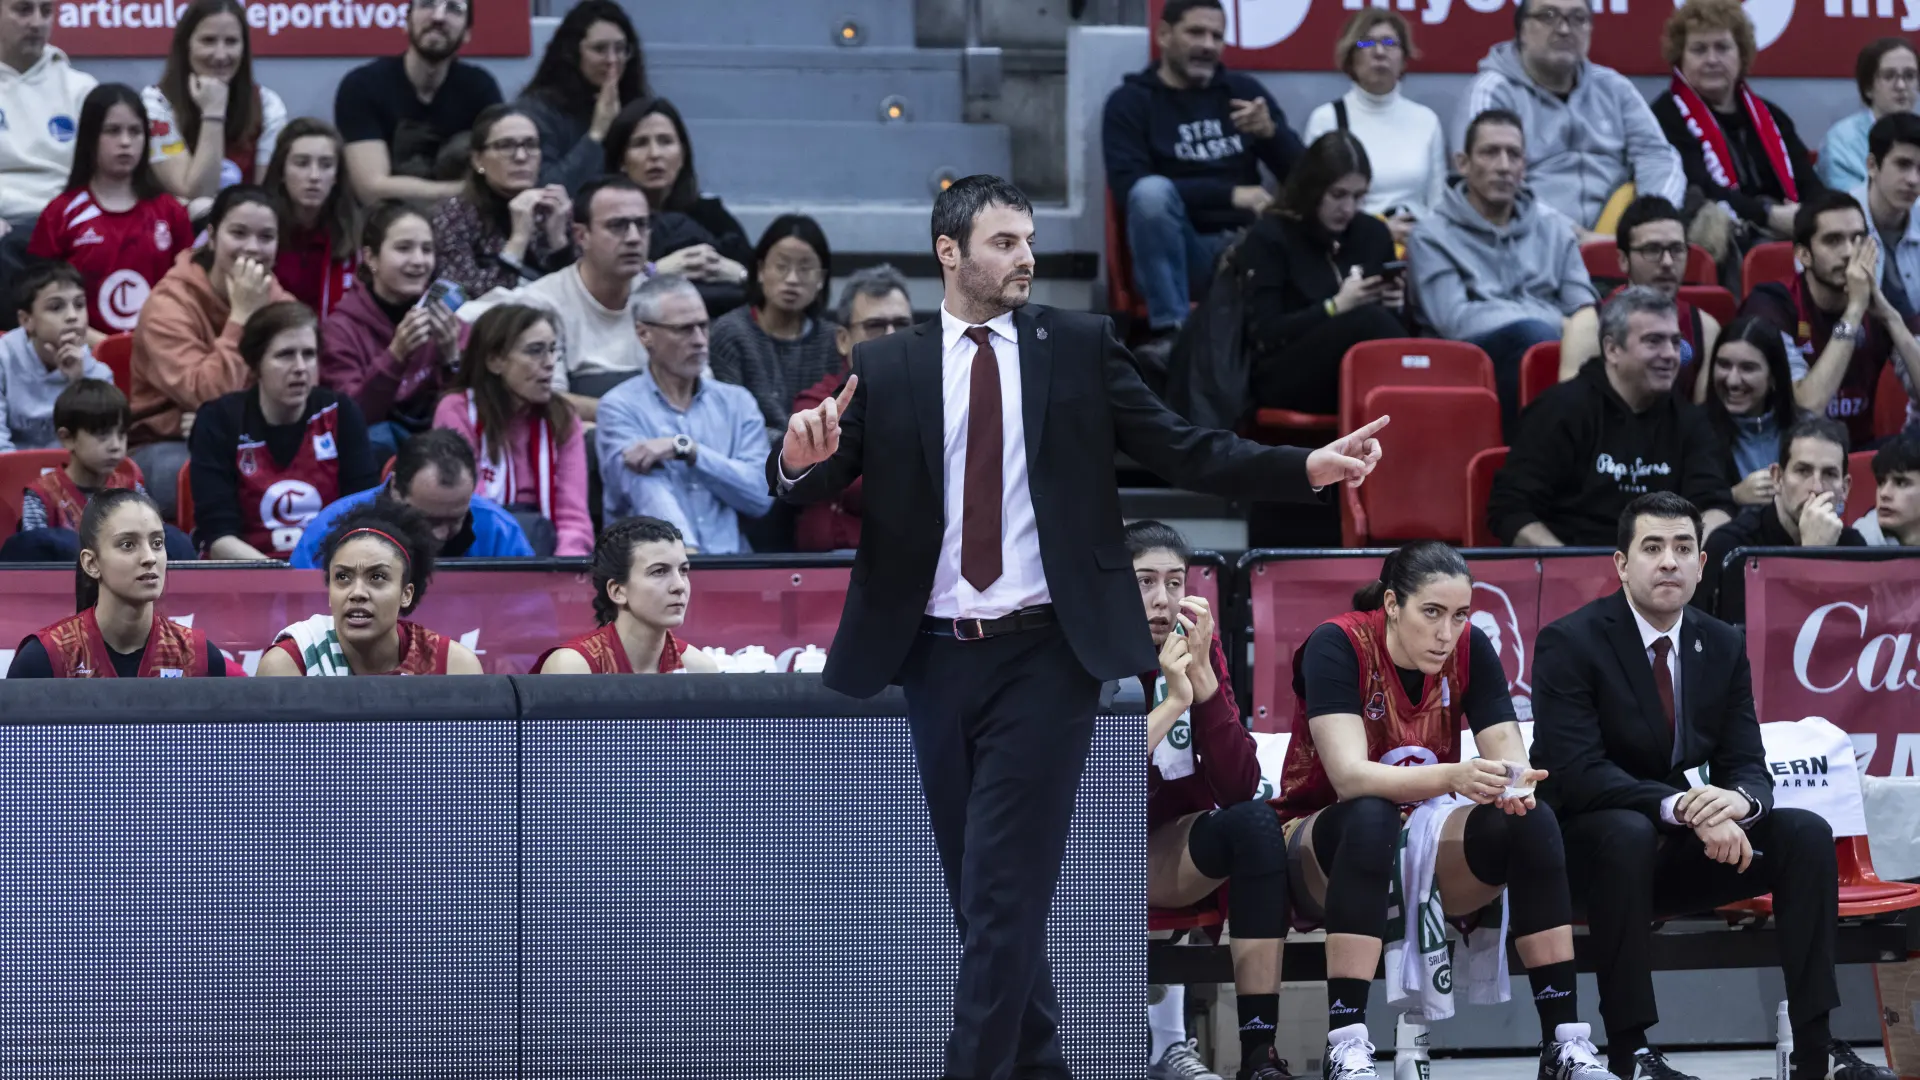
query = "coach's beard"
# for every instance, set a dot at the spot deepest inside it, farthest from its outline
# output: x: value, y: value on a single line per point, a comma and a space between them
x: 1000, y: 295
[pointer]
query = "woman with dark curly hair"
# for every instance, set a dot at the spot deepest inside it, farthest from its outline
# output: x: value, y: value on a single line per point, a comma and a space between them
x: 640, y: 595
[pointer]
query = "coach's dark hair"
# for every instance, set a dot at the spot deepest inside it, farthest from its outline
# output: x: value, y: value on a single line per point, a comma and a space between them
x: 402, y: 528
x: 1806, y: 221
x: 583, y: 200
x: 957, y: 207
x: 613, y: 557
x: 1144, y: 536
x: 86, y: 587
x: 1866, y: 66
x: 94, y: 406
x: 229, y: 200
x: 1815, y: 427
x: 445, y: 449
x: 806, y: 230
x: 1656, y: 504
x: 1177, y: 9
x: 1494, y: 117
x: 86, y: 145
x: 269, y: 323
x: 1407, y: 570
x: 27, y: 287
x: 1900, y: 454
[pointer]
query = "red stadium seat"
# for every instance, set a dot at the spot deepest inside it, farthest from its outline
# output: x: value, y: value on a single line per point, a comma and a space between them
x: 183, y: 500
x: 1764, y: 263
x: 1539, y: 369
x: 1712, y: 300
x: 18, y: 468
x: 1407, y: 362
x: 1417, y: 492
x: 1284, y: 427
x: 1889, y: 403
x: 1121, y: 299
x: 1602, y: 259
x: 1205, y: 915
x: 1862, y: 894
x: 117, y: 353
x: 1479, y: 489
x: 1863, y: 495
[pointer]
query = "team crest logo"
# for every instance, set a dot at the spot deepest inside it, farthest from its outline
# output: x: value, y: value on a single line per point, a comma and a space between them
x: 324, y: 448
x: 163, y: 236
x: 248, y: 466
x: 1376, y: 707
x: 63, y: 129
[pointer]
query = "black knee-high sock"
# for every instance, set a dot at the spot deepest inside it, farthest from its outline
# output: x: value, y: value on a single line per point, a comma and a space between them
x: 1347, y: 1002
x: 1259, y: 1016
x: 1553, y: 996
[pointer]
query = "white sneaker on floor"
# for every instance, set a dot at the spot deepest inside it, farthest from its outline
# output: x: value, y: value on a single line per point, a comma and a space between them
x: 1181, y: 1062
x: 1572, y: 1056
x: 1350, y: 1054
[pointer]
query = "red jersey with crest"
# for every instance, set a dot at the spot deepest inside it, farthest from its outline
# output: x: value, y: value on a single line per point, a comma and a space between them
x: 1400, y: 731
x: 65, y: 502
x: 606, y: 654
x: 422, y: 651
x: 77, y: 650
x: 276, y: 503
x: 120, y: 256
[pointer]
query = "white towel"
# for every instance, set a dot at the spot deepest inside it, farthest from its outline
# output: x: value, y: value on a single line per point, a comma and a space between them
x: 1423, y: 974
x: 319, y: 646
x: 1174, y: 756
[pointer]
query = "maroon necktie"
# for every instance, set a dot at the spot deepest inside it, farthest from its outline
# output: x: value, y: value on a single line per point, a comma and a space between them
x: 1663, y: 676
x: 980, y: 491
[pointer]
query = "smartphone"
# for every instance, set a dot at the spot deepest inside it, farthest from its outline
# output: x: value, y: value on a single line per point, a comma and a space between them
x: 447, y: 294
x: 1394, y: 271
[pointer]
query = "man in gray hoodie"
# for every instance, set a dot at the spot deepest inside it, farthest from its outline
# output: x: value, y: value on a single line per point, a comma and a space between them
x: 1588, y: 130
x: 1494, y: 267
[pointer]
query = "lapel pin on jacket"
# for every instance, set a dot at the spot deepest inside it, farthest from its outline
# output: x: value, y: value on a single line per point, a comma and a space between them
x: 1040, y: 332
x: 1696, y: 645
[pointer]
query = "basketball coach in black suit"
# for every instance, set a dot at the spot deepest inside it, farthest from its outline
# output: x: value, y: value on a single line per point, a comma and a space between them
x: 992, y: 582
x: 1629, y: 693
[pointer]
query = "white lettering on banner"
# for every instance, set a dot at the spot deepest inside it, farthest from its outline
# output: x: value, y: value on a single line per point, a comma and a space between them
x: 1905, y: 748
x: 273, y: 18
x: 1262, y: 24
x: 1882, y: 9
x: 1871, y: 669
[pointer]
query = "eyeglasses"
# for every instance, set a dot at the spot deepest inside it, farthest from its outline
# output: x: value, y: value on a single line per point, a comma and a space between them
x: 1377, y: 43
x: 804, y: 272
x: 1906, y: 75
x: 539, y: 350
x: 880, y: 327
x: 609, y: 50
x: 1658, y: 252
x: 514, y: 147
x: 456, y: 8
x: 685, y: 329
x: 621, y: 226
x: 1576, y: 21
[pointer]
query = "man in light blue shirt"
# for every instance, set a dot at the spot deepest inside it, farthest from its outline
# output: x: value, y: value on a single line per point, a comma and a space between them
x: 675, y: 443
x: 1889, y: 195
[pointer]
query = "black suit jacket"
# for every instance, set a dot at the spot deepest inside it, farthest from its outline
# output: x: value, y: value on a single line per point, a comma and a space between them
x: 1082, y: 399
x: 1599, y: 730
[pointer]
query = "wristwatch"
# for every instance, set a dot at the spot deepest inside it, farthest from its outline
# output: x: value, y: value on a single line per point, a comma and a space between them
x: 1854, y: 332
x: 682, y: 448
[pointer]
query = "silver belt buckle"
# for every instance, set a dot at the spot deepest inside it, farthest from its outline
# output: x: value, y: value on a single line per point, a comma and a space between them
x: 960, y: 627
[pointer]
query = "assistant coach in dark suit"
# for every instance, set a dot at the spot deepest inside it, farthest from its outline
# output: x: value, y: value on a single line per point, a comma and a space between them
x: 1629, y: 693
x: 994, y: 584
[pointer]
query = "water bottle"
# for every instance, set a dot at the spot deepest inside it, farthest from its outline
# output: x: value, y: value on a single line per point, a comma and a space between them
x: 812, y: 661
x: 1782, y: 1043
x: 1411, y: 1060
x: 753, y: 660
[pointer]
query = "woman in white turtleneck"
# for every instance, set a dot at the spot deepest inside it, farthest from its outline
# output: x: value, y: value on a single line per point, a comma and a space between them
x: 1403, y: 138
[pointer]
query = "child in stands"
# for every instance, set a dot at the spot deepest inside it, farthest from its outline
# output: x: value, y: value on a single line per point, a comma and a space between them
x: 378, y: 560
x: 640, y: 594
x: 121, y: 572
x: 44, y: 356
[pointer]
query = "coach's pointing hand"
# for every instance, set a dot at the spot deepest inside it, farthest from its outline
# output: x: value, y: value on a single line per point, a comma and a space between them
x: 1350, y: 459
x: 813, y: 435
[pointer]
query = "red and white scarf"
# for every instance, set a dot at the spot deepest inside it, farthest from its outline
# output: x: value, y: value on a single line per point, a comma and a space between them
x: 1713, y: 142
x: 500, y: 483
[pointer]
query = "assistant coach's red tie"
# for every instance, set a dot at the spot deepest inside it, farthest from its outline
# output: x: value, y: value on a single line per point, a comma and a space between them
x: 1663, y: 676
x: 980, y: 491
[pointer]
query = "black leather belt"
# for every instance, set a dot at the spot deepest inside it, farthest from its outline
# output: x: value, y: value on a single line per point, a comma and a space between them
x: 1025, y: 619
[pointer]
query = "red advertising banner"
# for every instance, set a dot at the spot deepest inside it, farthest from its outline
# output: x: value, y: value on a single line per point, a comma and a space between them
x: 284, y: 27
x: 1513, y: 597
x: 1835, y: 638
x: 1813, y: 38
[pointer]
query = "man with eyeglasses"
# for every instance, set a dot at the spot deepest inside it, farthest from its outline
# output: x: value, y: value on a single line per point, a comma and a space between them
x: 40, y: 96
x: 675, y: 443
x: 873, y: 304
x: 1653, y: 252
x: 1588, y: 130
x: 397, y: 113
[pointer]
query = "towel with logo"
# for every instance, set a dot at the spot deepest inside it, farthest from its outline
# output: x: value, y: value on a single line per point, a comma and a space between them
x: 1421, y: 966
x: 319, y: 645
x: 1174, y: 756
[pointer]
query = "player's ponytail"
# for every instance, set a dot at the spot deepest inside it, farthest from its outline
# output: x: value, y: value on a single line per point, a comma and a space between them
x: 1407, y: 569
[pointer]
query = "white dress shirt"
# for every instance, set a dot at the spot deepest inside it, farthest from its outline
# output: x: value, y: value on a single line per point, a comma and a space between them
x: 1649, y: 635
x: 1022, y: 582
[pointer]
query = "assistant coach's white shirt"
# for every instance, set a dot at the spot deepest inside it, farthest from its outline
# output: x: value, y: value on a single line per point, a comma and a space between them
x: 1022, y: 582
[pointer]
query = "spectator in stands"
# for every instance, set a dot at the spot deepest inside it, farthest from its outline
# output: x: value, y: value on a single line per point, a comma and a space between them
x: 1314, y: 280
x: 1404, y: 141
x: 1348, y: 774
x: 1589, y: 446
x: 1810, y: 489
x: 434, y: 474
x: 114, y: 223
x: 121, y: 571
x: 386, y: 349
x: 676, y: 444
x: 503, y: 230
x: 186, y: 350
x: 1589, y: 132
x: 873, y: 303
x: 1887, y: 74
x: 693, y: 234
x: 1612, y: 682
x: 1494, y: 266
x: 266, y: 459
x: 592, y: 301
x: 1184, y: 141
x: 1888, y: 196
x: 319, y: 216
x: 592, y: 68
x: 1653, y: 251
x: 90, y: 418
x: 1204, y: 824
x: 1751, y: 404
x: 1895, y: 520
x: 42, y: 357
x: 778, y: 345
x: 40, y: 95
x: 399, y: 112
x: 1739, y: 151
x: 527, y: 439
x: 213, y: 126
x: 1842, y: 327
x: 378, y: 561
x: 641, y: 589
